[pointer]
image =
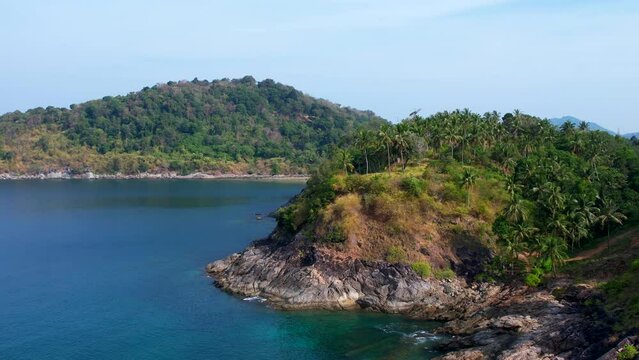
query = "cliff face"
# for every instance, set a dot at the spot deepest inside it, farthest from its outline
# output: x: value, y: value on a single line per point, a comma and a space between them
x: 306, y: 277
x: 487, y: 320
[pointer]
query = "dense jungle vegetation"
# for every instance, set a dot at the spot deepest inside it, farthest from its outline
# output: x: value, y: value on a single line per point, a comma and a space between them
x: 535, y: 193
x: 227, y: 126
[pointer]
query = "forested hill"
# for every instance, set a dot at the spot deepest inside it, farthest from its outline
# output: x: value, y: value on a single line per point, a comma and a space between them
x: 223, y: 126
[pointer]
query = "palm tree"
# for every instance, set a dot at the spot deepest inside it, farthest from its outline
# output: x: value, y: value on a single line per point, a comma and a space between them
x: 583, y: 126
x: 586, y: 208
x: 450, y: 136
x: 609, y: 215
x: 385, y: 136
x: 402, y: 132
x: 468, y: 180
x: 512, y: 247
x: 516, y: 211
x: 363, y: 141
x: 559, y: 226
x: 577, y: 227
x: 594, y: 161
x: 551, y: 197
x: 567, y: 127
x: 553, y: 248
x: 523, y: 233
x: 512, y: 187
x: 467, y: 117
x: 345, y: 159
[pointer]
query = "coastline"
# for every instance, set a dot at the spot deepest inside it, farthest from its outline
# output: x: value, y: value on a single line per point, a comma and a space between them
x: 59, y: 175
x: 484, y: 320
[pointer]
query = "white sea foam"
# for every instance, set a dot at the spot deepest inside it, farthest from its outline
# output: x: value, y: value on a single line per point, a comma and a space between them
x: 418, y: 336
x: 422, y: 336
x: 255, y: 299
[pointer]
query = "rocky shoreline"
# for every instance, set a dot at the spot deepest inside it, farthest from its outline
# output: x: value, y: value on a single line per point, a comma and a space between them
x: 56, y: 175
x: 486, y: 321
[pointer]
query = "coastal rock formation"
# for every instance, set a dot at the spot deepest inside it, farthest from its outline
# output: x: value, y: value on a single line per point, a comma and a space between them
x: 525, y: 325
x: 293, y: 277
x: 486, y: 321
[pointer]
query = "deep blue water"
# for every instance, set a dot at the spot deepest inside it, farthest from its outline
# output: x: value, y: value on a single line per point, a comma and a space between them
x: 114, y: 270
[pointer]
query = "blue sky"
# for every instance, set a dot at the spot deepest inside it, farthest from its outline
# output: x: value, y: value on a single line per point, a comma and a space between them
x: 548, y: 57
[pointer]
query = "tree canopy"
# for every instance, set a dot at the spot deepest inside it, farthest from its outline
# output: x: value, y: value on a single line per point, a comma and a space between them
x: 564, y: 185
x: 186, y: 126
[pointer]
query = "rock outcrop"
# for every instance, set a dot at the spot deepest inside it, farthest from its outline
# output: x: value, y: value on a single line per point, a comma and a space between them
x: 486, y: 321
x: 293, y: 277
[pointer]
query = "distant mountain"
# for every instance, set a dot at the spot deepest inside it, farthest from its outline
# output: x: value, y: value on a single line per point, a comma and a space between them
x: 591, y: 125
x: 630, y: 135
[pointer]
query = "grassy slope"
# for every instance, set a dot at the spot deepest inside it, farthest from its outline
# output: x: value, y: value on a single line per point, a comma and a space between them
x: 420, y: 215
x: 615, y: 271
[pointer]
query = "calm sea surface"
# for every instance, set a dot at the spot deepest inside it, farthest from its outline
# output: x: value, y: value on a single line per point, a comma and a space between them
x: 114, y: 270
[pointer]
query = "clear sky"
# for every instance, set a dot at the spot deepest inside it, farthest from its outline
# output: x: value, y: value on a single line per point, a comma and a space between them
x: 545, y: 57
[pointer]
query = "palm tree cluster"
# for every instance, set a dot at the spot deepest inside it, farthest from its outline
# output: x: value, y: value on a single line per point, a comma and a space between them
x: 565, y: 184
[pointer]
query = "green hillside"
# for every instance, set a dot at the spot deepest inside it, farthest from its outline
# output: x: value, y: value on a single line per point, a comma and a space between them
x: 223, y: 126
x: 515, y: 186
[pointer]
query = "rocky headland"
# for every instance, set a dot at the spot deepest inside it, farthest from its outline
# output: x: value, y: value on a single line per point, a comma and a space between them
x: 485, y: 320
x: 410, y: 243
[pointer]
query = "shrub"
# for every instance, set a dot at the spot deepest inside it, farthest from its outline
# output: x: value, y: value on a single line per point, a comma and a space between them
x: 336, y: 235
x: 545, y: 265
x: 452, y: 192
x: 444, y: 274
x: 616, y: 286
x: 483, y: 210
x: 422, y: 268
x: 339, y: 184
x: 357, y: 183
x: 395, y: 254
x: 378, y: 184
x: 414, y: 186
x: 629, y: 352
x: 382, y: 207
x: 532, y: 280
x: 634, y: 266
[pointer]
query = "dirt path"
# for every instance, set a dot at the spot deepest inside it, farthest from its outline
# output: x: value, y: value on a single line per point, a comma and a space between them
x: 587, y: 254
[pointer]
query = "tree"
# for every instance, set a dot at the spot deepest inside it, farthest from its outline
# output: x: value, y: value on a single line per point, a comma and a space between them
x: 469, y: 178
x: 585, y: 208
x: 609, y: 215
x: 552, y: 248
x: 345, y: 160
x: 552, y: 198
x: 401, y: 142
x: 583, y: 126
x: 512, y: 247
x: 512, y: 187
x: 364, y: 141
x: 516, y: 211
x: 523, y: 233
x: 576, y: 228
x: 451, y: 136
x: 385, y: 136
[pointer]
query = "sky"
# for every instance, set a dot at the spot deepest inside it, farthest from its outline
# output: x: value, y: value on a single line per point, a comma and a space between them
x: 545, y: 57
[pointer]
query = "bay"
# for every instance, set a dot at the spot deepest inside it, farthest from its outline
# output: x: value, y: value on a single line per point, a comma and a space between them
x: 114, y: 269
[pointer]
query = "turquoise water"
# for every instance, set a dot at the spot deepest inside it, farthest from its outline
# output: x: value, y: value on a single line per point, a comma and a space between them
x: 114, y: 270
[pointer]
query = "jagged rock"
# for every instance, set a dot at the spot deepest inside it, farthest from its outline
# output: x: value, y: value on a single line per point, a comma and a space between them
x: 486, y: 321
x: 302, y: 278
x: 614, y: 352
